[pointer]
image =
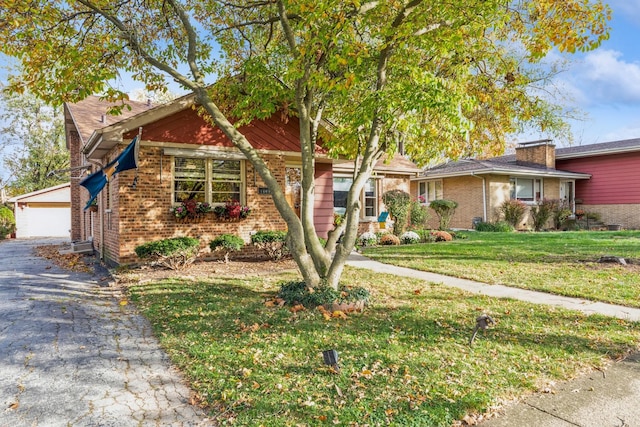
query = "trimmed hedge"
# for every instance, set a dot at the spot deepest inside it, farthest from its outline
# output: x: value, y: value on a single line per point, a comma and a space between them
x: 175, y: 253
x: 273, y: 243
x: 227, y: 243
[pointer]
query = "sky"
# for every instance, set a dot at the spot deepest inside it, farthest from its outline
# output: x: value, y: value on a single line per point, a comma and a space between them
x: 603, y: 84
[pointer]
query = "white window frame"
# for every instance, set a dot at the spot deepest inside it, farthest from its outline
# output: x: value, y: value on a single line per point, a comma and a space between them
x: 537, y: 184
x: 363, y: 197
x: 208, y: 179
x: 429, y: 190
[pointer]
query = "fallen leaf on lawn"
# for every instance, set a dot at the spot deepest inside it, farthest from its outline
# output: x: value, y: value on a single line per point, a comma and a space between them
x: 124, y: 302
x: 339, y: 314
x: 470, y: 420
x: 255, y: 385
x: 296, y: 308
x: 417, y: 291
x: 270, y: 303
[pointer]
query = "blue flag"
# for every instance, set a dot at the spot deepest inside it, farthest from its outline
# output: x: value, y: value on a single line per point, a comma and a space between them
x: 95, y: 182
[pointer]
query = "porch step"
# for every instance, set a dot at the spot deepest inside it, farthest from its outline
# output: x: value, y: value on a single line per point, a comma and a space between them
x: 85, y: 247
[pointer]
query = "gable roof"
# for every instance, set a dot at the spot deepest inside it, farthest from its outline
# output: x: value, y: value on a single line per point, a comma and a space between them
x: 57, y: 193
x: 605, y: 148
x: 90, y: 115
x: 99, y: 135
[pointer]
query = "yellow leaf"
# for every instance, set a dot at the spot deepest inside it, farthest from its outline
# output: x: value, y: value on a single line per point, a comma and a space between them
x: 124, y: 302
x: 339, y: 313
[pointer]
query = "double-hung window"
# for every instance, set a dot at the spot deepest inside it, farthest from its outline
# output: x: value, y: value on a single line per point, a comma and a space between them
x: 428, y: 191
x: 207, y: 180
x: 368, y: 198
x: 526, y: 189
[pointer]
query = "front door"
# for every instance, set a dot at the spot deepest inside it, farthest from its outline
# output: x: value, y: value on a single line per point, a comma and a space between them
x: 567, y: 194
x: 293, y: 176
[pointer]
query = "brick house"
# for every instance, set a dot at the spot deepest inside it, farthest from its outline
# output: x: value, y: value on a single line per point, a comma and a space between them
x: 481, y: 186
x: 602, y: 178
x: 614, y: 188
x: 177, y: 147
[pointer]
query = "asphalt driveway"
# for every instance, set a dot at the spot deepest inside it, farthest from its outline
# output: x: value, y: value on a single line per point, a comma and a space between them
x: 71, y: 355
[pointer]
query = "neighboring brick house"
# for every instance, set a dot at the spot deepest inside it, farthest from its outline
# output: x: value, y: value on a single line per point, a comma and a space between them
x: 481, y: 186
x: 177, y: 145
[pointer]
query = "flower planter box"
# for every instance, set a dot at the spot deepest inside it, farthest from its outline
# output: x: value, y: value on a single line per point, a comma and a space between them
x: 614, y: 227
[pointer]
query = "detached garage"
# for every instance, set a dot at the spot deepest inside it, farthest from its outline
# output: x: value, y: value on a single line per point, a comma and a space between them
x: 43, y: 213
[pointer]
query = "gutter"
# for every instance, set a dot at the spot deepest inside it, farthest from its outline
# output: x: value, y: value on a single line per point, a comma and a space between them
x: 484, y: 195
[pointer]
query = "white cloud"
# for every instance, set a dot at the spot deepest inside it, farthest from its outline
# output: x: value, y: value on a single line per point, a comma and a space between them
x: 603, y: 77
x: 630, y: 9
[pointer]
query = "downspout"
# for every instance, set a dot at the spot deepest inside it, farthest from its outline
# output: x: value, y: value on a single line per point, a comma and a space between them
x: 484, y: 196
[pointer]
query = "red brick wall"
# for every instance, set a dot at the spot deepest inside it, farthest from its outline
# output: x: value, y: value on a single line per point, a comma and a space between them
x: 142, y: 214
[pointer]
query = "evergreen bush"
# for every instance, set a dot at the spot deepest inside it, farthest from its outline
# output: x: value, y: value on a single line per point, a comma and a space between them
x: 227, y: 243
x: 175, y: 253
x: 272, y: 243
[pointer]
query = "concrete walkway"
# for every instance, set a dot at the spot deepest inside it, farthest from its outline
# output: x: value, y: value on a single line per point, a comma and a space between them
x: 598, y: 399
x: 71, y: 355
x: 499, y: 291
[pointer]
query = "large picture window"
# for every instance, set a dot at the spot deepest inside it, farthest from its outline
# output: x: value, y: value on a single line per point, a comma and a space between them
x: 428, y: 191
x: 207, y: 180
x: 526, y: 189
x: 368, y: 198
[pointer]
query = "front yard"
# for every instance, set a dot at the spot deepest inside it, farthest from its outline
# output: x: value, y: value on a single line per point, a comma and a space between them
x: 563, y: 263
x: 405, y: 361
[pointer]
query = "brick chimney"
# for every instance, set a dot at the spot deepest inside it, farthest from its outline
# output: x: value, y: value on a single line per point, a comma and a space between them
x: 536, y: 153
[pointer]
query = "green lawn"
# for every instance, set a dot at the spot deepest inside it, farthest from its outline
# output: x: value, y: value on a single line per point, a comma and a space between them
x: 563, y: 263
x: 404, y: 361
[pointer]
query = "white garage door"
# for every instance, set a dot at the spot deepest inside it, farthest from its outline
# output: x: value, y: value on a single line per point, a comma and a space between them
x: 48, y: 222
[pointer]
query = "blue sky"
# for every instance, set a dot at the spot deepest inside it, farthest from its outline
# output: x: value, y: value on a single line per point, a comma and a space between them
x: 605, y: 83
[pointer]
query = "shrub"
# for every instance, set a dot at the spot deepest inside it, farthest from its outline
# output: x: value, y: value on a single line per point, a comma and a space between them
x: 513, y: 211
x: 298, y: 293
x: 561, y: 213
x: 273, y: 243
x: 7, y: 222
x: 541, y: 213
x: 367, y: 239
x: 445, y: 209
x: 497, y: 227
x: 442, y: 236
x: 175, y: 253
x: 398, y: 203
x: 227, y: 243
x: 389, y: 239
x: 425, y: 235
x: 595, y: 216
x: 418, y: 215
x: 410, y: 237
